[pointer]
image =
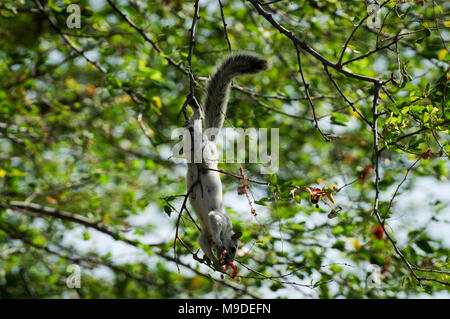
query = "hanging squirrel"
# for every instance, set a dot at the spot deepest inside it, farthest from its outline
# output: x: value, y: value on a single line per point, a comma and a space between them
x: 203, y: 182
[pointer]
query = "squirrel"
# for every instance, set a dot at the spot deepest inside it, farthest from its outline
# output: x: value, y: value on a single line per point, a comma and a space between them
x: 203, y: 181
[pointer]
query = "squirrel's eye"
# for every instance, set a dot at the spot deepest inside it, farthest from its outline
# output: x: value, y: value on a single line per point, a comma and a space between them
x: 233, y: 250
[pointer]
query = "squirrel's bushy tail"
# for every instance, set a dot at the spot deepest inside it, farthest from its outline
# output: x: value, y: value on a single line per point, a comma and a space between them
x: 218, y: 88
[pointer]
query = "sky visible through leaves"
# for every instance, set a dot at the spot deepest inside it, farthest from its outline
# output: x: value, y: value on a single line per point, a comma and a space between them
x: 87, y: 174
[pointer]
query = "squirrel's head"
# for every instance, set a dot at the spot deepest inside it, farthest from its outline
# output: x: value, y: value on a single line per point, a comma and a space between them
x: 231, y: 246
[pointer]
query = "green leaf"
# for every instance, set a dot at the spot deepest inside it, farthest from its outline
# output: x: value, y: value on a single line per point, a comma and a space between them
x: 273, y: 179
x: 86, y: 236
x: 114, y: 81
x: 338, y: 119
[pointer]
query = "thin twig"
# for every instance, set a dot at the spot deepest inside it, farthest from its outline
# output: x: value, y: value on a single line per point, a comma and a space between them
x: 377, y: 191
x: 192, y: 45
x: 306, y: 47
x: 155, y: 46
x: 78, y: 219
x: 67, y: 40
x: 271, y: 108
x: 190, y: 99
x: 183, y: 207
x: 352, y: 105
x: 238, y: 176
x: 280, y: 97
x: 225, y: 27
x: 398, y: 187
x: 98, y: 66
x: 275, y: 278
x: 365, y: 55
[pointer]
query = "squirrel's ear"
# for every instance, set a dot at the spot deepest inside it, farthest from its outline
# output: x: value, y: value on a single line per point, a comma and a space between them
x: 236, y: 235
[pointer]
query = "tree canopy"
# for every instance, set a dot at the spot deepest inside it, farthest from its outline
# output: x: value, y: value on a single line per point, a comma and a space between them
x: 358, y: 208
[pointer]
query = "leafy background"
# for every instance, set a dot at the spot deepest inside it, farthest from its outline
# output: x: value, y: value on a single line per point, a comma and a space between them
x: 86, y: 180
